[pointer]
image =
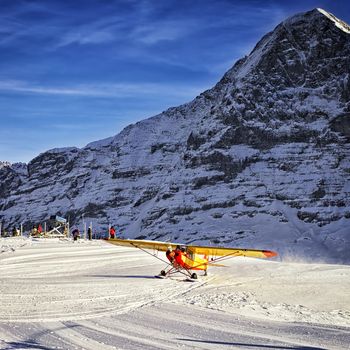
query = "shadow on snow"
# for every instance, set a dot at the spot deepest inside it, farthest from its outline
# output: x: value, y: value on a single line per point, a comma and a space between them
x: 259, y: 346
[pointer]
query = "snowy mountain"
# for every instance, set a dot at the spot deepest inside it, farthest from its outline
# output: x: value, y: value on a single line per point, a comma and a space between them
x: 261, y: 160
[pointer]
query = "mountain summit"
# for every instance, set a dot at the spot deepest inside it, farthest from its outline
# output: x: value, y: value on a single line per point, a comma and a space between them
x: 260, y: 160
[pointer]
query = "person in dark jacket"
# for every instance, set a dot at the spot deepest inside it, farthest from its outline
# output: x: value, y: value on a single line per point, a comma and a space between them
x: 76, y: 234
x: 89, y: 233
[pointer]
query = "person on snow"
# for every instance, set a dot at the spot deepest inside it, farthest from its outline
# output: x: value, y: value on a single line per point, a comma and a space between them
x: 76, y: 234
x: 112, y: 232
x: 179, y: 253
x: 170, y: 254
x: 89, y: 233
x: 15, y: 232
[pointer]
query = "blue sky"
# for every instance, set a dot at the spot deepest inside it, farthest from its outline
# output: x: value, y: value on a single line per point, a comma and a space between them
x: 72, y: 72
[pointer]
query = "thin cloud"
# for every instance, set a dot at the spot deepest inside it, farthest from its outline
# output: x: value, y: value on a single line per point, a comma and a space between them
x: 19, y: 22
x: 170, y: 30
x: 132, y: 28
x: 98, y: 31
x: 82, y: 38
x: 104, y: 90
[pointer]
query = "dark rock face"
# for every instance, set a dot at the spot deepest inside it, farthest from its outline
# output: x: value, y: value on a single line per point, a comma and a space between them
x: 9, y: 179
x: 262, y: 158
x: 341, y: 125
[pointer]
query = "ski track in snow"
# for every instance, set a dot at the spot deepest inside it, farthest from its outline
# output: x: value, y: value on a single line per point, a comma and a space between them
x: 92, y: 295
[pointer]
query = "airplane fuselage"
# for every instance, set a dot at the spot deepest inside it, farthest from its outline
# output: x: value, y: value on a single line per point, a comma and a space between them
x: 180, y: 258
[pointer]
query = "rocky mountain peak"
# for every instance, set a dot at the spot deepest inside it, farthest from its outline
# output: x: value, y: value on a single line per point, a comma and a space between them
x: 317, y: 17
x: 4, y: 164
x: 338, y: 22
x: 296, y: 47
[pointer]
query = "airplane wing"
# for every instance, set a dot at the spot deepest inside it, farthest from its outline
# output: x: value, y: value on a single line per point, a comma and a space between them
x: 144, y: 244
x: 201, y: 250
x: 223, y: 251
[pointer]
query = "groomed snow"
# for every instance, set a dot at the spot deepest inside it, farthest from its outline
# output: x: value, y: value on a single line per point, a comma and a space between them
x: 59, y: 294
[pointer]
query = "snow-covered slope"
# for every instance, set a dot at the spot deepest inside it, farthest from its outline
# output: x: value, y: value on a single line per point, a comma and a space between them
x: 92, y: 295
x: 262, y: 159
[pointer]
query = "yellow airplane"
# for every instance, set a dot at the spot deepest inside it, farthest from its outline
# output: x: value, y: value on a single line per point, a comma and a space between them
x: 185, y: 259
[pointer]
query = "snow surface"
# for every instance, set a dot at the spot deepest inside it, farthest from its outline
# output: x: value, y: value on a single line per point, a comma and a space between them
x: 60, y: 294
